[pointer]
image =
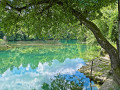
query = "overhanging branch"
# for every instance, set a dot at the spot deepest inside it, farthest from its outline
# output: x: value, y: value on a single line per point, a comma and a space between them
x: 96, y: 31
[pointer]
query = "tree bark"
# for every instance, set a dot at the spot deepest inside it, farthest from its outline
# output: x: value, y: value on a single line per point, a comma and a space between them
x: 112, y: 51
x: 119, y: 27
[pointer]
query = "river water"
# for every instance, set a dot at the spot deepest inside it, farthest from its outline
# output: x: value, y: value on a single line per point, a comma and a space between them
x: 38, y: 66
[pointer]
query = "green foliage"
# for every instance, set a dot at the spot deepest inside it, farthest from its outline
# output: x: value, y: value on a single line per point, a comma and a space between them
x: 1, y: 40
x: 108, y: 22
x: 55, y: 22
x: 92, y: 52
x: 59, y: 83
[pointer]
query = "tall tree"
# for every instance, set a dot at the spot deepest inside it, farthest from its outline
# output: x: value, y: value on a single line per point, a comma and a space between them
x: 119, y: 26
x: 57, y: 18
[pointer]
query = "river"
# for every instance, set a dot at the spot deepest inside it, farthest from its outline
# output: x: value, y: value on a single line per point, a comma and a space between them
x: 44, y: 65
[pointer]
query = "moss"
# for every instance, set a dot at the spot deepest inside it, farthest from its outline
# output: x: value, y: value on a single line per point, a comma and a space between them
x: 98, y: 74
x: 117, y: 70
x: 104, y: 67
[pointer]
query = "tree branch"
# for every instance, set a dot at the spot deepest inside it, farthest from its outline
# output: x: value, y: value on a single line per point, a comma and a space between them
x: 97, y: 33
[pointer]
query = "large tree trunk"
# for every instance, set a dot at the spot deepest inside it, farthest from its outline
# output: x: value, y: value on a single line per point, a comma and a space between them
x: 119, y: 27
x: 113, y: 52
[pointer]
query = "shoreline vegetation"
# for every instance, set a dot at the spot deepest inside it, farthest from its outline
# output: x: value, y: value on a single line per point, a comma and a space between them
x: 6, y: 45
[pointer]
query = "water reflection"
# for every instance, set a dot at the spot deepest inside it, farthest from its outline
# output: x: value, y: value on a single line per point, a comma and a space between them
x: 26, y: 78
x: 32, y: 55
x: 30, y: 66
x: 77, y: 81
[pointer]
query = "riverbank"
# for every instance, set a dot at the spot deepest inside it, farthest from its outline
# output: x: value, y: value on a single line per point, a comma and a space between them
x: 5, y: 45
x: 98, y: 69
x: 100, y: 74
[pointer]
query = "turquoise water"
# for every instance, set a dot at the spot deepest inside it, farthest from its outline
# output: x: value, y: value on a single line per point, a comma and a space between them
x: 29, y: 66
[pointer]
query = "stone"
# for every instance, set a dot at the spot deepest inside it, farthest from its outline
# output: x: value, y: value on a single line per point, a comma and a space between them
x: 100, y: 69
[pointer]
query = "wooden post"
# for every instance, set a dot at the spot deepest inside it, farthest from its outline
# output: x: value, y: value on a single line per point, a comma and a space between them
x: 91, y: 75
x: 91, y: 69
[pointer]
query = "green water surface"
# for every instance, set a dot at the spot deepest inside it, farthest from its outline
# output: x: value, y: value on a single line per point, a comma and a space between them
x: 34, y: 54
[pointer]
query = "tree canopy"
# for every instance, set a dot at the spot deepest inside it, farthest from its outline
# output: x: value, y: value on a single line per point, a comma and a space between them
x: 47, y: 18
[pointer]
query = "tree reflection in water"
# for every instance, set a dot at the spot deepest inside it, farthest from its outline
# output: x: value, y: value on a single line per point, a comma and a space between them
x: 78, y: 81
